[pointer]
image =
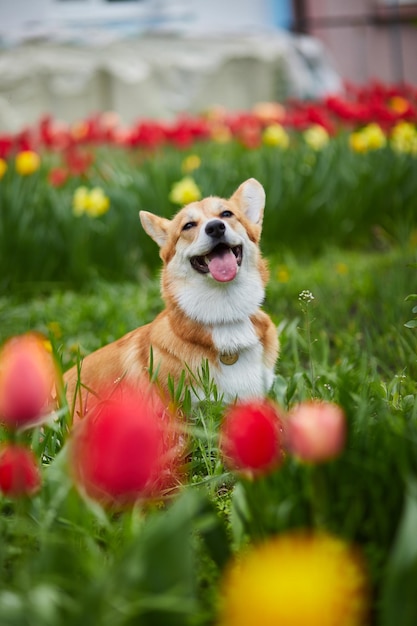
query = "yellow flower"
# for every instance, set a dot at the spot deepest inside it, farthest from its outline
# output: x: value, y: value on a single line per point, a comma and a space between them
x: 185, y: 191
x: 275, y: 135
x: 357, y: 141
x: 190, y: 163
x: 94, y: 202
x: 316, y: 137
x: 80, y: 201
x: 3, y: 168
x: 98, y: 203
x: 371, y: 137
x: 27, y: 162
x: 404, y: 138
x: 375, y: 136
x: 296, y: 579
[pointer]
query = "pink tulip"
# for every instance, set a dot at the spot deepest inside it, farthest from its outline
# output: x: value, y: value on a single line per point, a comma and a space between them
x: 28, y: 378
x: 316, y: 431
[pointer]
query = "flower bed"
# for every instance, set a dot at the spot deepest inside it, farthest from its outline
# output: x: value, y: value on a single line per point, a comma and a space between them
x: 329, y: 169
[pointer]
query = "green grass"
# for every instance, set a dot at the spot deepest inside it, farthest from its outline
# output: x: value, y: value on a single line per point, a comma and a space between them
x: 61, y: 559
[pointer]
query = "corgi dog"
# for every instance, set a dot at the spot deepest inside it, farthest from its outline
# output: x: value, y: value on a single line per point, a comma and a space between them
x: 213, y: 284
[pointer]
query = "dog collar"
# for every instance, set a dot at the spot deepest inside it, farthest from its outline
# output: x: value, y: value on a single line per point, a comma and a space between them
x: 229, y: 359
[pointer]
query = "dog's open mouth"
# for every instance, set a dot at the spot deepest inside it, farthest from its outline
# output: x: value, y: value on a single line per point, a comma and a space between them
x: 222, y: 262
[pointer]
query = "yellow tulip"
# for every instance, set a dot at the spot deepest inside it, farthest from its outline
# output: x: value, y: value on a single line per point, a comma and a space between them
x: 295, y: 579
x: 275, y: 135
x: 316, y: 137
x: 93, y: 202
x: 404, y: 138
x: 3, y: 168
x: 27, y: 162
x: 185, y: 191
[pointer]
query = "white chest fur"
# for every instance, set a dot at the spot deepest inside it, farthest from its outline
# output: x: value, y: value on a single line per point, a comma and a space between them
x: 247, y: 377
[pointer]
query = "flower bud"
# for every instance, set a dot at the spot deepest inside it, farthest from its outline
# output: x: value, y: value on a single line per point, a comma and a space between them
x: 28, y: 377
x: 19, y: 471
x: 251, y: 437
x: 316, y: 431
x: 126, y: 449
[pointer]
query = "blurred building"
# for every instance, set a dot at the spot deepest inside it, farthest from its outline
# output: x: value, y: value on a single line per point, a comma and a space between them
x: 158, y: 58
x: 368, y: 39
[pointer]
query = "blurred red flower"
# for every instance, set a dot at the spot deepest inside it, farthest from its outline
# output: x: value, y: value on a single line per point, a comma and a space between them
x: 316, y: 431
x: 128, y: 448
x: 78, y: 161
x: 58, y: 176
x: 6, y: 145
x: 251, y: 437
x: 28, y: 378
x: 19, y: 471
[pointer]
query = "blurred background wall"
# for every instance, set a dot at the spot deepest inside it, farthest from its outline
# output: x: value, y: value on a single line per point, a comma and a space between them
x: 368, y: 39
x: 158, y: 58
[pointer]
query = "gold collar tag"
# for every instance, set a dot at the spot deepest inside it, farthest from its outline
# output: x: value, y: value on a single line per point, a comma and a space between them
x: 229, y: 359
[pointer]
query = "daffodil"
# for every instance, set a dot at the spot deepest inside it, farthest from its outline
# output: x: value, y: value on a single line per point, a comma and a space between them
x: 27, y: 162
x: 3, y: 168
x: 185, y: 191
x: 316, y: 137
x: 293, y: 580
x: 275, y: 135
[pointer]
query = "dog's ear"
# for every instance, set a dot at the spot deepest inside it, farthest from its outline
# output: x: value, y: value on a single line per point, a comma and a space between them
x: 250, y: 197
x: 156, y: 227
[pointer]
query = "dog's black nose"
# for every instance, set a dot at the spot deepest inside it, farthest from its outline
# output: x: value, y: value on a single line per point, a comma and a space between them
x: 215, y: 229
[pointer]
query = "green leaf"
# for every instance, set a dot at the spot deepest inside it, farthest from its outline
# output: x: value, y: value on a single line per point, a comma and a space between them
x: 399, y: 604
x: 411, y: 324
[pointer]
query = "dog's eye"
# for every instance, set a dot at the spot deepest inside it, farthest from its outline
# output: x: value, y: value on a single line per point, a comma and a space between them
x: 189, y: 225
x: 226, y: 214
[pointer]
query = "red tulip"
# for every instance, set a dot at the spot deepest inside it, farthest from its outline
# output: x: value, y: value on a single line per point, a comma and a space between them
x: 251, y: 437
x: 126, y: 449
x: 316, y: 431
x: 58, y: 176
x: 28, y: 377
x: 19, y: 471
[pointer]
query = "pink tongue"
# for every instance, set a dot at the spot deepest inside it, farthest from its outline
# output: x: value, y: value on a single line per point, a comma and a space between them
x: 223, y: 266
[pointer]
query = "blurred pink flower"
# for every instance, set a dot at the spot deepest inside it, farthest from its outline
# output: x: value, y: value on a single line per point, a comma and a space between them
x: 316, y: 431
x: 251, y: 437
x: 28, y: 378
x: 19, y: 471
x: 128, y: 448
